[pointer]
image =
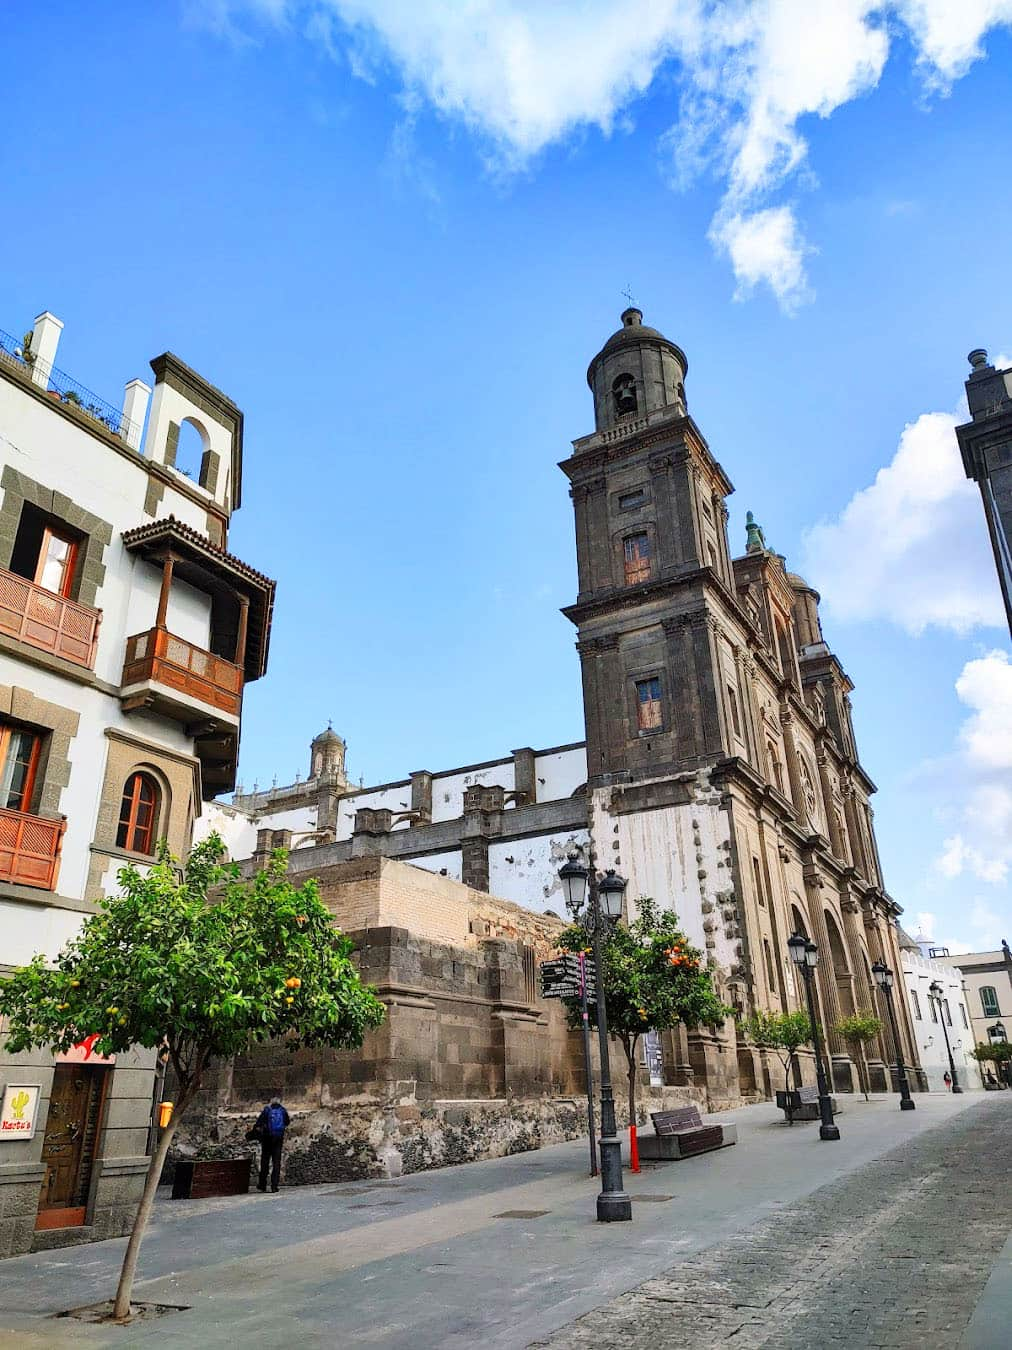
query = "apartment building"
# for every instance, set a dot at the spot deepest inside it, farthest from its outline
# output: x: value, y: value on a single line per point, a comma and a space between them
x: 127, y: 635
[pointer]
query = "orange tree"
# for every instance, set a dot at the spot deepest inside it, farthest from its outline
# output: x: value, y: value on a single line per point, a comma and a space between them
x: 203, y: 963
x: 652, y: 978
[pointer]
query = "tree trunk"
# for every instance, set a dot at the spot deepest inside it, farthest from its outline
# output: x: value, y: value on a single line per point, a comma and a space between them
x: 121, y: 1306
x: 632, y: 1088
x: 863, y: 1069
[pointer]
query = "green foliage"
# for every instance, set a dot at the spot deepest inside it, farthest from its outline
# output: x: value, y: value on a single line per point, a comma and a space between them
x: 652, y: 978
x: 995, y: 1053
x: 198, y: 959
x: 784, y: 1033
x: 859, y: 1029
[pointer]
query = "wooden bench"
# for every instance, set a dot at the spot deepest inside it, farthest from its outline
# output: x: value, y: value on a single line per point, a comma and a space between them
x: 801, y: 1103
x: 682, y: 1134
x: 197, y: 1178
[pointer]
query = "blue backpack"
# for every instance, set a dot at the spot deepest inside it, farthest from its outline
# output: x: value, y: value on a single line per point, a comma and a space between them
x: 275, y: 1121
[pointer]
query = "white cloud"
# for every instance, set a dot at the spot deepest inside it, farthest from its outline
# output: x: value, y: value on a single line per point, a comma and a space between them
x: 524, y: 75
x: 766, y: 247
x: 973, y: 790
x: 912, y: 547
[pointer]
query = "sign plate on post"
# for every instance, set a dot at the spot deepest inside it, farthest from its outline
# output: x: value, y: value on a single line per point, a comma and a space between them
x: 19, y: 1111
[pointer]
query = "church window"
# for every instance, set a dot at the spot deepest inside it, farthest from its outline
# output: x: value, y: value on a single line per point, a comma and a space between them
x: 757, y: 878
x: 948, y: 1012
x: 989, y: 1000
x: 648, y: 704
x: 771, y: 978
x: 934, y: 1010
x: 915, y: 1001
x: 962, y: 1013
x: 629, y: 500
x: 711, y: 553
x: 624, y: 393
x: 636, y: 550
x: 732, y: 698
x: 776, y: 773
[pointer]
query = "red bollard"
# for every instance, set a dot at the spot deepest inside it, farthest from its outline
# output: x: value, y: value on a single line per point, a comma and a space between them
x: 634, y: 1150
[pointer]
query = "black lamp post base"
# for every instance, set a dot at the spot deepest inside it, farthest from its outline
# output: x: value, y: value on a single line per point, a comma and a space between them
x: 956, y: 1089
x: 908, y: 1105
x: 829, y: 1132
x: 613, y: 1207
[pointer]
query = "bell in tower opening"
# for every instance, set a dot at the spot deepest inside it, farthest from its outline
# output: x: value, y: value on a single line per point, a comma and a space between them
x: 638, y: 370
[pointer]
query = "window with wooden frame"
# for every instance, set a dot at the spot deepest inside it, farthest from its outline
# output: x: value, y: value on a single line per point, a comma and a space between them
x: 648, y: 705
x: 57, y: 562
x: 989, y: 1001
x: 19, y: 765
x: 138, y: 815
x: 636, y: 553
x: 46, y: 552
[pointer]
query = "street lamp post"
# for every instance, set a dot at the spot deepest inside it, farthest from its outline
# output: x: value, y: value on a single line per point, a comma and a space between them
x: 805, y: 955
x: 884, y: 980
x: 613, y: 1204
x: 936, y: 992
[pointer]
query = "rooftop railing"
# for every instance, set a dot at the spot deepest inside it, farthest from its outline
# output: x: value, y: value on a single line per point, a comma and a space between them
x: 64, y: 389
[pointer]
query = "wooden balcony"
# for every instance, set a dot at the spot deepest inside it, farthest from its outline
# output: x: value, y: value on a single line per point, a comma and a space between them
x: 178, y: 679
x: 30, y: 849
x: 47, y: 621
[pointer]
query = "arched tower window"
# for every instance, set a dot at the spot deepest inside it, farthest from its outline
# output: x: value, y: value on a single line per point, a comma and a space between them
x: 138, y: 814
x: 623, y: 391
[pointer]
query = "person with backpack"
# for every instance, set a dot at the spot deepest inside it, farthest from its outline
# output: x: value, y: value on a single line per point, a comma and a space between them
x: 270, y: 1128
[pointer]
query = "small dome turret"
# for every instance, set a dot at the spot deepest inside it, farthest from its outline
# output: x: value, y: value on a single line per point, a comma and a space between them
x: 327, y: 755
x: 637, y: 371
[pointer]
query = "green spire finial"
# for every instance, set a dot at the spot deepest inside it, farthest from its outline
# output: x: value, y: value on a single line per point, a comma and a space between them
x: 755, y: 539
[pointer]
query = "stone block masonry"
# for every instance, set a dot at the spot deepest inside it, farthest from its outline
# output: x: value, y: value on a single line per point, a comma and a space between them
x: 469, y: 1063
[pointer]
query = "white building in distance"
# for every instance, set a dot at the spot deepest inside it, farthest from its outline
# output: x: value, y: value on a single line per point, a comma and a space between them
x: 934, y: 1018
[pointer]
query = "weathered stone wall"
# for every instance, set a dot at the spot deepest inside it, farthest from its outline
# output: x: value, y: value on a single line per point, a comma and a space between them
x: 470, y: 1062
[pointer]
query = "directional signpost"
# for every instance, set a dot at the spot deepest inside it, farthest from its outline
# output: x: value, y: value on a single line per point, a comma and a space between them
x: 573, y: 975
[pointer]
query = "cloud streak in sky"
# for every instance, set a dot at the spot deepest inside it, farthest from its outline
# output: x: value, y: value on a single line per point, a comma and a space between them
x: 523, y: 75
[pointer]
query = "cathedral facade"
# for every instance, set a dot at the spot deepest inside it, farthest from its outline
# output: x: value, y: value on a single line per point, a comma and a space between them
x: 719, y: 775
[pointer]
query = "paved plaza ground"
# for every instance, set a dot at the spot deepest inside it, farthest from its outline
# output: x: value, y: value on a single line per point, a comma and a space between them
x: 891, y: 1237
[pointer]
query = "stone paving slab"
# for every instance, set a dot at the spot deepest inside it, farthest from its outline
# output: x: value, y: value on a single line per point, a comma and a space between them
x: 321, y: 1266
x: 893, y: 1255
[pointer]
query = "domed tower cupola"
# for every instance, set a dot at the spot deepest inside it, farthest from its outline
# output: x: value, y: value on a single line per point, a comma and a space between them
x: 327, y: 755
x: 637, y: 371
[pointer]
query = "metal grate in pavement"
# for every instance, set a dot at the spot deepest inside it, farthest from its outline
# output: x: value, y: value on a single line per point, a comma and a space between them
x: 521, y: 1214
x: 654, y: 1199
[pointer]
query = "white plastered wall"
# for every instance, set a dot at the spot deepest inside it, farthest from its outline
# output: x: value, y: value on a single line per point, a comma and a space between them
x: 169, y: 405
x: 526, y: 871
x: 918, y: 974
x: 678, y: 856
x: 560, y: 773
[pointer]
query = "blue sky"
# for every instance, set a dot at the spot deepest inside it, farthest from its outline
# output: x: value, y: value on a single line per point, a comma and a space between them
x: 397, y: 234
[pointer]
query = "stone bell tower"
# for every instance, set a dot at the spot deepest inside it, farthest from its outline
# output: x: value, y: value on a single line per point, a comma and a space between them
x: 653, y: 565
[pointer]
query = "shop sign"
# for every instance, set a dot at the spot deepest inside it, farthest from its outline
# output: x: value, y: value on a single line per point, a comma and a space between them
x: 19, y: 1110
x: 84, y: 1052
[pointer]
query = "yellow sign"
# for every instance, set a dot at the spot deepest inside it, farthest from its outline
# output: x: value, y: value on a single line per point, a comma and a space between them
x: 20, y: 1107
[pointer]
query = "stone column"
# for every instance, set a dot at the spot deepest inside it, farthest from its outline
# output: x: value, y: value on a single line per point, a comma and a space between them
x: 841, y: 1066
x: 524, y: 776
x: 421, y: 796
x: 858, y: 851
x: 833, y: 825
x: 669, y: 550
x: 865, y: 994
x: 793, y: 766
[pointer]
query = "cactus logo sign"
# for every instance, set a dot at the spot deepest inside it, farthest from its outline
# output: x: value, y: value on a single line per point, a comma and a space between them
x: 17, y: 1115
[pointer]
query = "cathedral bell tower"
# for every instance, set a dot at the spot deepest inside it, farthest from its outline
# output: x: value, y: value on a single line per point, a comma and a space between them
x: 653, y: 566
